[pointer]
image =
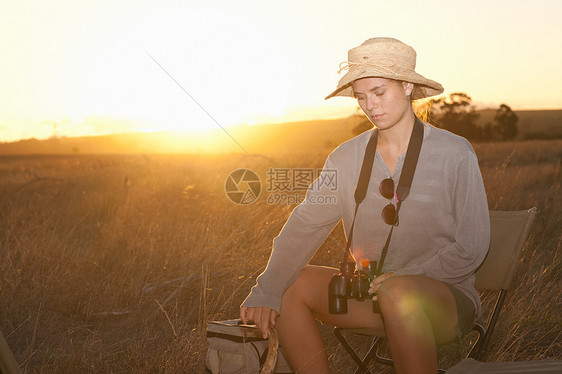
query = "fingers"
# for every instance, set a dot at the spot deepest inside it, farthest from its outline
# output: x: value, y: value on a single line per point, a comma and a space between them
x: 376, y: 283
x: 265, y: 317
x: 273, y: 318
x: 262, y: 317
x: 264, y: 321
x: 244, y: 315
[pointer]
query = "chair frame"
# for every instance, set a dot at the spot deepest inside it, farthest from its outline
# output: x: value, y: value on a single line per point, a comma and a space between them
x: 484, y: 334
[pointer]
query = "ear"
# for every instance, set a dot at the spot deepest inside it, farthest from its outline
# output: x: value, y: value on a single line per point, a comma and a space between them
x: 408, y: 88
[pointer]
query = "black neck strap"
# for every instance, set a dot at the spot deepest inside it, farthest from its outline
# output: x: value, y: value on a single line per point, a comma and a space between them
x: 402, y: 191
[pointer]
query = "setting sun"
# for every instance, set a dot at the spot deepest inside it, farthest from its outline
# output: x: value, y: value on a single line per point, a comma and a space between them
x: 76, y: 69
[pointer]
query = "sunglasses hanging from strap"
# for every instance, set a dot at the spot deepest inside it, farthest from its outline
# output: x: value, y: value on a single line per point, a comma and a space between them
x: 402, y: 191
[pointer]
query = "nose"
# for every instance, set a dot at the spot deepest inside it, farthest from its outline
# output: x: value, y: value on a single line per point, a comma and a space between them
x: 371, y: 103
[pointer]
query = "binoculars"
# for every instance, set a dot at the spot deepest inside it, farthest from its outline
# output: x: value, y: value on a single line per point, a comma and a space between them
x: 351, y: 283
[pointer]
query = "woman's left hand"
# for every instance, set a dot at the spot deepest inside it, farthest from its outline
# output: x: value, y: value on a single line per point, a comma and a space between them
x: 376, y: 283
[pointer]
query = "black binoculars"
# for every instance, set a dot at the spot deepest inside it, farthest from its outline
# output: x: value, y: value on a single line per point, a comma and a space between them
x: 351, y: 283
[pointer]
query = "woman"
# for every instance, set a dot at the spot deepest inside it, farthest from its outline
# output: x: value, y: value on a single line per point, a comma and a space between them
x: 426, y: 290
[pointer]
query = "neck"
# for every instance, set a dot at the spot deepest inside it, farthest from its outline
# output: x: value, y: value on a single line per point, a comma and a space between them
x: 398, y: 136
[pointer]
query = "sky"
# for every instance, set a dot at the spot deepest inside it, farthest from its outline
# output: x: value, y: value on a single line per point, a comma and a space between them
x: 74, y: 68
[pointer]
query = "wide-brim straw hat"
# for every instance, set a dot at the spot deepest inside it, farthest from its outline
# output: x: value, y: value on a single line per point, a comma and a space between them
x: 384, y: 58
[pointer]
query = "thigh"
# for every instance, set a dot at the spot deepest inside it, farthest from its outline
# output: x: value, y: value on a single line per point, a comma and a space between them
x: 311, y: 288
x: 433, y: 296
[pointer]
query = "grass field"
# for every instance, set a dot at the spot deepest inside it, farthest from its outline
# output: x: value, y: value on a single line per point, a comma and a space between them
x: 115, y: 263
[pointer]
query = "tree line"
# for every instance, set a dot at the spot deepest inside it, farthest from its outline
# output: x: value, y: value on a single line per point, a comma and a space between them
x: 457, y: 114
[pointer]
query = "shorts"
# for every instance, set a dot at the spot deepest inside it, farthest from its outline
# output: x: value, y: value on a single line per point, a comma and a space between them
x: 466, y: 312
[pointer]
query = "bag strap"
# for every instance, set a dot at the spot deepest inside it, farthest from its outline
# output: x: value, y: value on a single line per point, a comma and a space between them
x: 402, y: 191
x: 233, y: 338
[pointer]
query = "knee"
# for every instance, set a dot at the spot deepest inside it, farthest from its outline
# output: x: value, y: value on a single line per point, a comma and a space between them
x: 398, y: 296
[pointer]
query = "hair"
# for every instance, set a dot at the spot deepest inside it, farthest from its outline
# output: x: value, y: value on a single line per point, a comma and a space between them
x: 395, y: 81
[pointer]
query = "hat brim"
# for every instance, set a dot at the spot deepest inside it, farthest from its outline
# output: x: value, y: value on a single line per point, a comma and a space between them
x: 423, y: 87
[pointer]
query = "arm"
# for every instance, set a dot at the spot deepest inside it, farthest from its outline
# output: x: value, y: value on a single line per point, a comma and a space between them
x: 303, y: 233
x: 472, y: 237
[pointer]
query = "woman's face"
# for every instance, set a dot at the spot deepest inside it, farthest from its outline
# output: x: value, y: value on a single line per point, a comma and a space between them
x: 384, y: 101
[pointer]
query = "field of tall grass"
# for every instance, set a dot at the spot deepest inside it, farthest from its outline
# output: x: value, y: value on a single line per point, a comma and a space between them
x: 116, y: 263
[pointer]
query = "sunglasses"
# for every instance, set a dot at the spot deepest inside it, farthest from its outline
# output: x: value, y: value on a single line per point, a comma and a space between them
x: 386, y: 188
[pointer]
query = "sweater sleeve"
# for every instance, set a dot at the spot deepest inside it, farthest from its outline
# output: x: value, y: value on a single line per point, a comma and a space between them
x: 302, y: 234
x: 466, y: 252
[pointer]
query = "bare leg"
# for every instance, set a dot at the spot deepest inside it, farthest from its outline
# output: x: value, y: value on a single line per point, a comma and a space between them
x: 304, y: 302
x: 418, y: 313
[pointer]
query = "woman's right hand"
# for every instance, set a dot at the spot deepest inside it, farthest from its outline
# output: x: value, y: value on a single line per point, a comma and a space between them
x: 261, y: 316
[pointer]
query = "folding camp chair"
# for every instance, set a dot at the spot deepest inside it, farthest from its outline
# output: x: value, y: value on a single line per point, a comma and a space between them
x: 509, y: 232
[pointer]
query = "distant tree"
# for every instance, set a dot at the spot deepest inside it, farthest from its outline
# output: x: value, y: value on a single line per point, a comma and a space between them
x: 456, y: 114
x: 505, y: 123
x: 488, y: 132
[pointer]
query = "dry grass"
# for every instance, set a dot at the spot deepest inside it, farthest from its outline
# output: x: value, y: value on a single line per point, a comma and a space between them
x: 115, y: 263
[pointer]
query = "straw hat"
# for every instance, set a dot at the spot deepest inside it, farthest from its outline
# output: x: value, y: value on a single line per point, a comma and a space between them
x: 384, y: 58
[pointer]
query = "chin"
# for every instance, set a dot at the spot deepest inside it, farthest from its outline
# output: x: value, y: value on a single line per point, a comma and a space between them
x: 382, y: 124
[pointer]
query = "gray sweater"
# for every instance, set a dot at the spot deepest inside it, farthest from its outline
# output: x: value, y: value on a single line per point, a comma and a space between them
x: 444, y: 229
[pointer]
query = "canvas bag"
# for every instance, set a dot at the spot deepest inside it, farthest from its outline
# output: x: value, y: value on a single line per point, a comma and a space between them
x: 235, y: 348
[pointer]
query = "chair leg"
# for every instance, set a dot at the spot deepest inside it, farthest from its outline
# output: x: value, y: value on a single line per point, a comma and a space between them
x: 361, y: 363
x: 491, y: 325
x: 371, y: 353
x: 477, y: 347
x: 389, y: 362
x: 384, y: 360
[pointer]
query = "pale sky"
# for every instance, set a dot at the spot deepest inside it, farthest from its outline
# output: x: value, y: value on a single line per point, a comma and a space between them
x: 86, y: 66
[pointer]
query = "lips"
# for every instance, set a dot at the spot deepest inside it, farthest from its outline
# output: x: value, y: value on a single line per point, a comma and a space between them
x: 377, y: 117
